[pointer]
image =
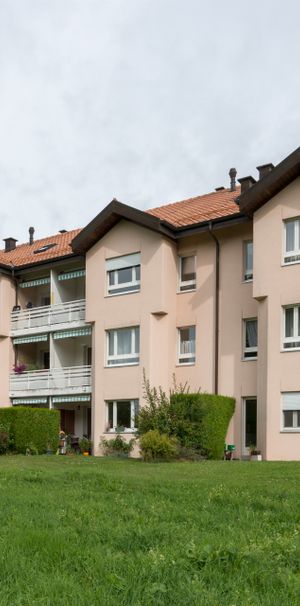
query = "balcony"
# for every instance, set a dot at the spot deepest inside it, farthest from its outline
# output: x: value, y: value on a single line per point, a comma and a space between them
x: 46, y: 317
x: 66, y: 380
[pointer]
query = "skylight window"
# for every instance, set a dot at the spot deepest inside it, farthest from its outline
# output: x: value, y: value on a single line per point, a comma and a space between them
x: 44, y: 248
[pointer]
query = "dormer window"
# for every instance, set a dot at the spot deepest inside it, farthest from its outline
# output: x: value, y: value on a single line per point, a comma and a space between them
x: 44, y: 248
x: 123, y: 274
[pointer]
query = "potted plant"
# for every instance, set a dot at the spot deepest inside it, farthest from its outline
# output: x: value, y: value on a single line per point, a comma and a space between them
x: 255, y: 453
x: 85, y: 446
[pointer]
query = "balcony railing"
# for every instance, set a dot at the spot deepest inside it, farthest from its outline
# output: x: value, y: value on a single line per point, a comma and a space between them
x: 47, y: 315
x: 76, y: 379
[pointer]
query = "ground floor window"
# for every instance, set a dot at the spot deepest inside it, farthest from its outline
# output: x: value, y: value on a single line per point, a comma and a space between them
x: 121, y: 415
x: 291, y: 411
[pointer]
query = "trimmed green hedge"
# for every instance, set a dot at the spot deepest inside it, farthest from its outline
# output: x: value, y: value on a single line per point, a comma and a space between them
x: 201, y: 421
x: 33, y: 428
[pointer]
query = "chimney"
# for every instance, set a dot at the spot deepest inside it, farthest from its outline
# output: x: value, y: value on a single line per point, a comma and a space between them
x: 264, y: 170
x: 232, y: 175
x: 31, y: 232
x: 246, y: 183
x: 10, y: 244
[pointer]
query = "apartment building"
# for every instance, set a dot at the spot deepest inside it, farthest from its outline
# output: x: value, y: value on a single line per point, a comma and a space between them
x: 206, y: 290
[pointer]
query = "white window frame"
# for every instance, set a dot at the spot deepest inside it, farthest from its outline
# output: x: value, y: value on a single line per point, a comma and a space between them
x: 292, y: 256
x: 250, y: 350
x: 185, y: 356
x: 128, y: 359
x: 295, y: 338
x: 114, y: 265
x: 186, y: 285
x: 293, y: 407
x: 134, y: 406
x: 247, y: 274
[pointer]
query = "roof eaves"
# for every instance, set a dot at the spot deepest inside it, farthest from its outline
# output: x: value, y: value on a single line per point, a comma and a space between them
x: 261, y: 192
x: 218, y: 223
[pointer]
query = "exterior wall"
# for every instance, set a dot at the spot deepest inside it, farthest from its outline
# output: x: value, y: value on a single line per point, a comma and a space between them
x: 276, y: 285
x: 7, y: 301
x: 159, y: 309
x: 153, y: 309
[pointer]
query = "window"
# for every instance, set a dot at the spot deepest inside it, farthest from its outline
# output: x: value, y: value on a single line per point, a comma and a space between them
x: 291, y: 338
x: 121, y: 414
x: 187, y: 338
x: 187, y: 273
x: 291, y: 411
x: 292, y: 240
x: 123, y: 346
x: 123, y: 274
x: 250, y: 339
x: 43, y: 248
x: 248, y: 261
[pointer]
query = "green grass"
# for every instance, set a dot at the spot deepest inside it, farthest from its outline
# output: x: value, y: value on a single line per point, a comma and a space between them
x: 100, y: 532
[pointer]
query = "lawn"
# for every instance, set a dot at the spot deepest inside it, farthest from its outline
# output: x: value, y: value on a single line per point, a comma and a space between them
x: 101, y: 532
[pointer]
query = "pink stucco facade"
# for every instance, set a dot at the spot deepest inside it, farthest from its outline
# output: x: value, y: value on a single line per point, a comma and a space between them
x: 69, y: 320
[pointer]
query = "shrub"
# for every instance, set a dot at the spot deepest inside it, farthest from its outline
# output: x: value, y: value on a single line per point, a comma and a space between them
x: 117, y: 446
x: 156, y: 446
x: 201, y: 421
x: 32, y: 428
x: 5, y: 440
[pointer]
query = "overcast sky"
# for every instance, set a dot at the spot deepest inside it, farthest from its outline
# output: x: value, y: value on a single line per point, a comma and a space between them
x: 148, y: 101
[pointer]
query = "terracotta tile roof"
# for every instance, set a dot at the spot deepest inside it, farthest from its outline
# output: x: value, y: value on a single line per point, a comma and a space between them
x: 24, y: 253
x: 201, y: 208
x: 187, y: 212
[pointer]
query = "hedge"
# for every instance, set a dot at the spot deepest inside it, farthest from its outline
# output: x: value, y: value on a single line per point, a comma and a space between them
x: 201, y: 421
x: 33, y: 428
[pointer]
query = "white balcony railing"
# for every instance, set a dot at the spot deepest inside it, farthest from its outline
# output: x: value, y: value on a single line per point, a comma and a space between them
x: 47, y: 315
x: 56, y: 380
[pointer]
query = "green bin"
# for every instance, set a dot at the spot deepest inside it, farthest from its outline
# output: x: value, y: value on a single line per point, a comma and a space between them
x: 231, y: 447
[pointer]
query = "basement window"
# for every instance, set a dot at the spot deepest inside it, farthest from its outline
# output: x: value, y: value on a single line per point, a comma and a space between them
x: 44, y: 248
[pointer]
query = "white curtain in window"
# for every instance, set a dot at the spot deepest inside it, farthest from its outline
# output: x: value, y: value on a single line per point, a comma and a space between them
x: 124, y: 341
x: 289, y: 322
x: 290, y: 235
x: 251, y: 333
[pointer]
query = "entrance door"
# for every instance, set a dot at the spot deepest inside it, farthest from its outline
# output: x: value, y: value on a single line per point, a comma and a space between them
x: 250, y: 424
x: 67, y: 421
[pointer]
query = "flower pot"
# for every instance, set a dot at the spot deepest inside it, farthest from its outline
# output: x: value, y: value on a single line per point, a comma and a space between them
x: 86, y: 453
x: 256, y: 457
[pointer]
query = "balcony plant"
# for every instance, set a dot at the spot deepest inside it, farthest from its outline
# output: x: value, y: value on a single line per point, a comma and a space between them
x: 20, y: 368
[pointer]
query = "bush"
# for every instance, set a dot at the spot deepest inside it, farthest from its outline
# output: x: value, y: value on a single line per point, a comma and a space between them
x: 5, y: 440
x: 157, y: 446
x: 117, y: 446
x: 32, y: 428
x: 201, y: 421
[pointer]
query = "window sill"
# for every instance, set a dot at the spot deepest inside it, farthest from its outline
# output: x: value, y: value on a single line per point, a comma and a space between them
x: 252, y: 359
x: 183, y: 292
x: 247, y: 281
x: 289, y: 349
x: 287, y: 263
x: 292, y: 430
x: 121, y: 294
x: 121, y: 365
x: 115, y: 432
x: 185, y: 364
